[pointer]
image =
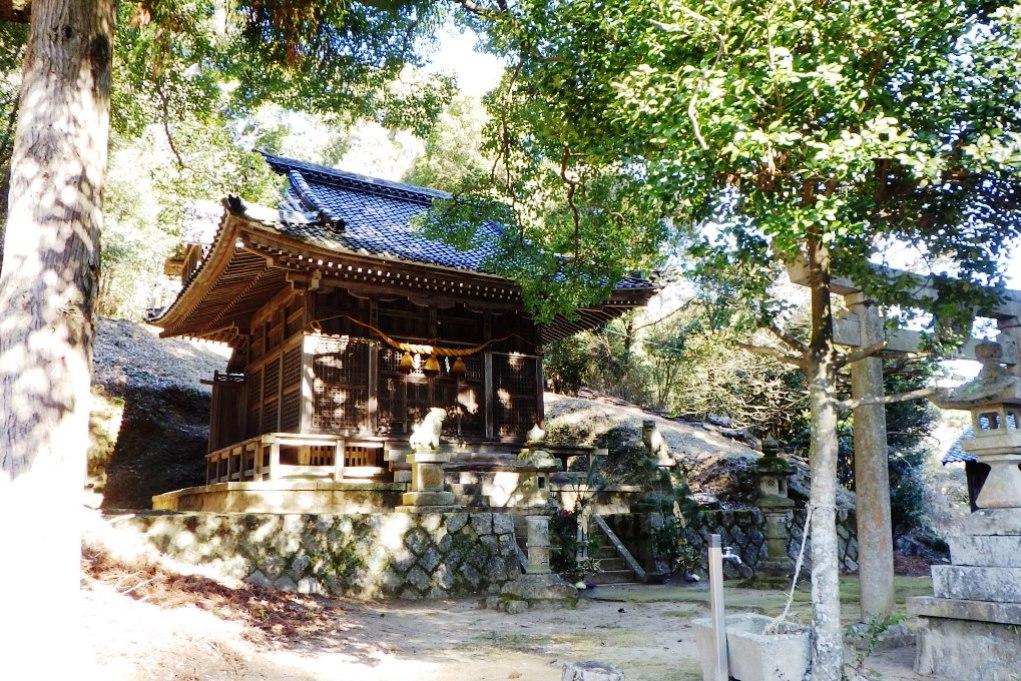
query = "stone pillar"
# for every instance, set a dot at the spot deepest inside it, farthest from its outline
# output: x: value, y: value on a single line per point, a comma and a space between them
x: 538, y: 545
x: 1010, y: 340
x: 427, y: 494
x: 871, y: 471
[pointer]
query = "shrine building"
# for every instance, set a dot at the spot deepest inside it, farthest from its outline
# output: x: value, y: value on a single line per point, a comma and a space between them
x: 347, y: 327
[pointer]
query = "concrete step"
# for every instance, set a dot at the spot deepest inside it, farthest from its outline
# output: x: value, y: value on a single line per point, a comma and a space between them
x: 613, y: 564
x: 605, y: 551
x: 613, y: 577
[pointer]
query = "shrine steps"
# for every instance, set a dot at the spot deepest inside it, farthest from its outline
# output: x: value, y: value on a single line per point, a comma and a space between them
x: 613, y: 569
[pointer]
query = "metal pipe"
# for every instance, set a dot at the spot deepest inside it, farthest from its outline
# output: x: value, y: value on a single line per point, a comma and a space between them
x: 719, y: 625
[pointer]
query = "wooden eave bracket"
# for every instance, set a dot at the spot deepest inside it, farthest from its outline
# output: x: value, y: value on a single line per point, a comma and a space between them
x: 304, y: 281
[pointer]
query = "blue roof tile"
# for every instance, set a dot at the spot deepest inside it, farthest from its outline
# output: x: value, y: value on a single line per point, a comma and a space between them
x: 347, y: 211
x: 365, y: 214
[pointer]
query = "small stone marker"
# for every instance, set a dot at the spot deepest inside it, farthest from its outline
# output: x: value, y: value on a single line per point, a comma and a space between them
x: 538, y: 545
x: 591, y: 671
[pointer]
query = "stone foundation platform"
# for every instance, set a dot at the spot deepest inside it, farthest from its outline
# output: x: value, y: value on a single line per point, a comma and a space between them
x: 385, y: 555
x: 967, y: 649
x: 284, y: 496
x: 972, y: 625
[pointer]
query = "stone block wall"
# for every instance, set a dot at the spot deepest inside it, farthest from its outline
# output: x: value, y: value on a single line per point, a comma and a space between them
x: 395, y: 555
x: 743, y: 529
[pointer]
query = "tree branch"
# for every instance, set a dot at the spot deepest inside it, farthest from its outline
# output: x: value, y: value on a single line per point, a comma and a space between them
x: 667, y: 316
x: 477, y: 9
x: 861, y: 353
x: 166, y: 129
x: 921, y: 393
x: 787, y: 339
x: 774, y: 354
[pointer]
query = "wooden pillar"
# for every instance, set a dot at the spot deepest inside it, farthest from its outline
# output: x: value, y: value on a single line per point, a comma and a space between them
x: 308, y: 347
x: 339, y: 452
x: 540, y: 393
x: 487, y: 390
x: 274, y: 460
x: 871, y: 471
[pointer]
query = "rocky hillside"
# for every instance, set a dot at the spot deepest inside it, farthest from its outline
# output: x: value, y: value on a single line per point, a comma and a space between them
x: 716, y: 457
x: 150, y: 412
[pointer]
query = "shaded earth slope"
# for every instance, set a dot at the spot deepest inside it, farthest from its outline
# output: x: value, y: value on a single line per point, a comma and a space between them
x: 148, y: 427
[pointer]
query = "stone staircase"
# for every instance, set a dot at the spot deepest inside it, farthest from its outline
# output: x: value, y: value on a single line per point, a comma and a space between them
x: 613, y: 569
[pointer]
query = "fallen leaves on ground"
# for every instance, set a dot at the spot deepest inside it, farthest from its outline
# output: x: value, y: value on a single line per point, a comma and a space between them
x: 272, y: 615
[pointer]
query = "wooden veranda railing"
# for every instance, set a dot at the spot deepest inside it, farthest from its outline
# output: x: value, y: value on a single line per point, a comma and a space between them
x: 287, y: 455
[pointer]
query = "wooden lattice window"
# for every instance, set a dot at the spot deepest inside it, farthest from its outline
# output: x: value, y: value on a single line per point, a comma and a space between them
x: 290, y: 412
x: 515, y: 394
x: 419, y: 399
x: 463, y: 399
x: 321, y: 456
x: 340, y: 384
x: 392, y: 413
x: 270, y: 395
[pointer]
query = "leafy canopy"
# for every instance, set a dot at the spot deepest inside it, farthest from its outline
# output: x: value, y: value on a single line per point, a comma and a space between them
x: 752, y: 127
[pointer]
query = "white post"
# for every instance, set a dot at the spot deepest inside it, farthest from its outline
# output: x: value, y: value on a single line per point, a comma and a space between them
x: 722, y: 667
x: 274, y: 460
x: 339, y: 452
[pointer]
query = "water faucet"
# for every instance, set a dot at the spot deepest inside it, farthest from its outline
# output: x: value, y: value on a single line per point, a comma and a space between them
x: 728, y: 554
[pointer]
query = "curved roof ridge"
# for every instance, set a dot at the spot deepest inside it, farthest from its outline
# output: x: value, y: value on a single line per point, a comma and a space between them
x: 326, y: 175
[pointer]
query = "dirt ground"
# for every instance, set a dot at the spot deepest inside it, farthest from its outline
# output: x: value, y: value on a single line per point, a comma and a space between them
x: 141, y: 632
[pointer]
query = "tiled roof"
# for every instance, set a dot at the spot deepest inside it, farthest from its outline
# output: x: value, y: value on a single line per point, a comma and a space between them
x: 345, y: 211
x: 369, y: 215
x: 956, y: 453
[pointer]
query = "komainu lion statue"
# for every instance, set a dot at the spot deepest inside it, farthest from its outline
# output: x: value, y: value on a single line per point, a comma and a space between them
x: 426, y: 434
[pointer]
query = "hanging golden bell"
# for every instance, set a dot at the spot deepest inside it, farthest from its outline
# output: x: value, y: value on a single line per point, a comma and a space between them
x: 458, y: 369
x: 432, y: 366
x: 406, y: 364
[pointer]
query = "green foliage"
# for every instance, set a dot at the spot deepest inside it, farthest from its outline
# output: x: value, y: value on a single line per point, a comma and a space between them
x: 609, y: 361
x: 872, y: 635
x: 687, y: 368
x: 755, y: 128
x: 451, y: 153
x: 189, y: 82
x: 571, y: 558
x: 670, y: 544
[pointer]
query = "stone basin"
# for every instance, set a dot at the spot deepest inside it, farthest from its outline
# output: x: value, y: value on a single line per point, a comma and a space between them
x: 753, y: 655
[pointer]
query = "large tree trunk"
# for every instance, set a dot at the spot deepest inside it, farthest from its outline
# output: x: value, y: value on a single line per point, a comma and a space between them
x: 827, y: 646
x: 47, y: 288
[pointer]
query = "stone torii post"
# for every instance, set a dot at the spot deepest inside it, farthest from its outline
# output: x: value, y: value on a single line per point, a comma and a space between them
x: 862, y: 326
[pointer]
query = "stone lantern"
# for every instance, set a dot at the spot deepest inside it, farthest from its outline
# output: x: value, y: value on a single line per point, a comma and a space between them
x: 772, y: 473
x: 994, y: 400
x: 970, y: 624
